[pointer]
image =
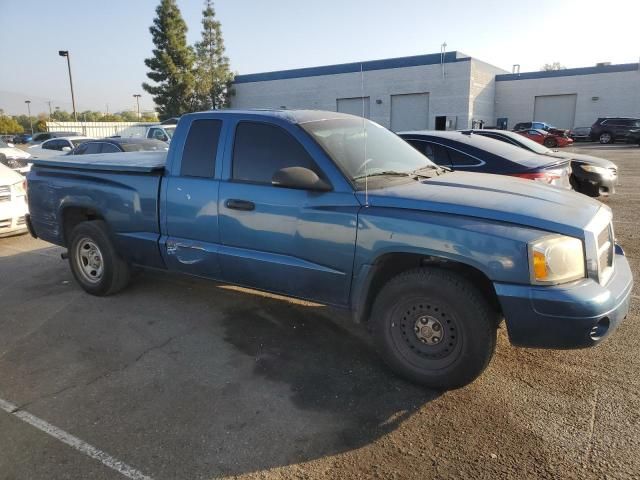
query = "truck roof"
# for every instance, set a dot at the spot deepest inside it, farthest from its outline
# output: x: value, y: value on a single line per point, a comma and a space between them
x: 293, y: 116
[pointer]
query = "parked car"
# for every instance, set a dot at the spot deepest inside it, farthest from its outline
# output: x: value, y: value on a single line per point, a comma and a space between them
x: 539, y: 126
x: 13, y: 202
x: 590, y: 175
x: 118, y: 145
x: 287, y: 202
x: 22, y: 138
x: 611, y: 129
x: 43, y: 136
x: 14, y: 158
x: 578, y: 134
x: 56, y: 146
x: 7, y: 138
x: 548, y: 139
x: 634, y: 136
x: 163, y: 133
x: 473, y: 153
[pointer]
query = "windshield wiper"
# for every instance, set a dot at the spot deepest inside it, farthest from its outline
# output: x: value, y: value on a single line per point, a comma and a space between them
x: 389, y: 173
x: 437, y: 168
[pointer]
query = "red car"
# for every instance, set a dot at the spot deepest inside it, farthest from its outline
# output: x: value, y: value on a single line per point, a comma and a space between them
x: 549, y: 140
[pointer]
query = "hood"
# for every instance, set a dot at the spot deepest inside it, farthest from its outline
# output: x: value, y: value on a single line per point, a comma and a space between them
x: 494, y: 197
x: 11, y: 152
x: 8, y: 176
x: 578, y: 157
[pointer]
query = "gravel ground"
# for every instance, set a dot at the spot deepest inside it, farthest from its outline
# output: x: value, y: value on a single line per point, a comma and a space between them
x: 183, y: 378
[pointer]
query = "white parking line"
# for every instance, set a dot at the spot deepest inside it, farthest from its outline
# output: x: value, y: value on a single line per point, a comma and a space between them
x: 73, y: 442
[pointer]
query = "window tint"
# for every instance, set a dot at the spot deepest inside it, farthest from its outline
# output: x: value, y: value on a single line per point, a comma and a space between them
x: 459, y: 159
x: 53, y: 145
x: 109, y: 148
x: 80, y: 150
x: 91, y: 147
x: 260, y: 150
x: 424, y: 148
x: 200, y: 149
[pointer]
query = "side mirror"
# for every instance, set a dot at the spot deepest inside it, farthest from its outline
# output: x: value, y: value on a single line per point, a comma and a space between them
x: 66, y: 149
x: 300, y: 178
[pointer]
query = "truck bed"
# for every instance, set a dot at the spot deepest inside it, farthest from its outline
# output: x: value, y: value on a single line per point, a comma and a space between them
x: 138, y: 162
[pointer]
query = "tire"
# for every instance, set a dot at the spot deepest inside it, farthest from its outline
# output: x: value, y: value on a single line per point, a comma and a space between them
x: 605, y: 138
x: 95, y: 264
x: 550, y: 142
x: 433, y: 327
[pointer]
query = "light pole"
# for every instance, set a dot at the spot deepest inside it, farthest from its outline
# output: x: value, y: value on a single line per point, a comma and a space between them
x: 137, y: 97
x: 65, y: 53
x: 28, y: 102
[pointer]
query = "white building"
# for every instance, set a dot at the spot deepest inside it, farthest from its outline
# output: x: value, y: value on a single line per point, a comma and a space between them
x: 452, y: 91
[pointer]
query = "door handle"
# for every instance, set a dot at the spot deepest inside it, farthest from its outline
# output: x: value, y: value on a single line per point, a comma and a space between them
x: 235, y: 204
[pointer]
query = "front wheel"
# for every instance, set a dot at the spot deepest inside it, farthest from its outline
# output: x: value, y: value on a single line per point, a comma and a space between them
x: 550, y: 142
x: 433, y: 327
x: 95, y: 264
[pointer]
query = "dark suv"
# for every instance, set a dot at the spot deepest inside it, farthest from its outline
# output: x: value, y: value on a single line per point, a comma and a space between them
x: 610, y: 129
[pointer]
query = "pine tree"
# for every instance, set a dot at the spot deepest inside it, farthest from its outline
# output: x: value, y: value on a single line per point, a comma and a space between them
x: 213, y: 77
x: 171, y: 66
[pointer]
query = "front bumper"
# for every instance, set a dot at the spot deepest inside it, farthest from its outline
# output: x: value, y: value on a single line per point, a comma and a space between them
x: 577, y: 315
x: 13, y: 217
x: 594, y: 184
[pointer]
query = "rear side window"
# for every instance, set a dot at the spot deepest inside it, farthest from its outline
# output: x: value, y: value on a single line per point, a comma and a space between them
x: 459, y: 159
x: 424, y: 148
x: 201, y: 148
x: 261, y: 149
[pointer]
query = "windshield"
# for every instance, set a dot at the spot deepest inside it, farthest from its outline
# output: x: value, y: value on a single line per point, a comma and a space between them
x: 361, y: 148
x: 146, y: 146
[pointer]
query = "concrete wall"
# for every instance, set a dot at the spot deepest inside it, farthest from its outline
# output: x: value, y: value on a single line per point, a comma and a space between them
x: 482, y: 92
x: 448, y: 96
x: 618, y: 95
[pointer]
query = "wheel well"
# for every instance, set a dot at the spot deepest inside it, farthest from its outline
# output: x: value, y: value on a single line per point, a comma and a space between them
x: 72, y: 216
x: 393, y: 264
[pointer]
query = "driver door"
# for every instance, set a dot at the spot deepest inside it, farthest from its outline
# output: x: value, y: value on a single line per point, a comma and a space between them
x: 295, y: 242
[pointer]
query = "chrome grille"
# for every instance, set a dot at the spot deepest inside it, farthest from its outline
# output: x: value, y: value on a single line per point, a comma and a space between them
x: 614, y: 171
x: 5, y: 193
x: 5, y: 223
x: 21, y: 221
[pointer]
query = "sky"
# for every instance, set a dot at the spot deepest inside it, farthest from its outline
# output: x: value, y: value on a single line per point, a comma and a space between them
x: 109, y: 40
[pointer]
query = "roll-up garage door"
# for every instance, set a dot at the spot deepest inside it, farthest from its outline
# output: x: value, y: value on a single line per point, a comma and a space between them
x: 354, y: 106
x: 557, y: 110
x: 409, y: 112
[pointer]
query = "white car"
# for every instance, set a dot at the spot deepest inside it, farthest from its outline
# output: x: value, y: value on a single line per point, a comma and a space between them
x: 14, y: 158
x: 56, y: 146
x: 13, y: 202
x: 161, y: 132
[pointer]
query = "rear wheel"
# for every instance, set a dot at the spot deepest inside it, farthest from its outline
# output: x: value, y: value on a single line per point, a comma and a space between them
x: 95, y: 264
x: 606, y: 138
x: 433, y: 327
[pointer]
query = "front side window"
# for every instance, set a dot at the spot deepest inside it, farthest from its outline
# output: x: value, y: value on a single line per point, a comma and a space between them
x: 260, y: 150
x: 91, y: 147
x: 53, y: 145
x: 362, y: 148
x: 201, y: 148
x: 109, y: 148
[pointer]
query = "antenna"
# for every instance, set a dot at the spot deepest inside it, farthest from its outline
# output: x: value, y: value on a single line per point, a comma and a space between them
x: 364, y: 134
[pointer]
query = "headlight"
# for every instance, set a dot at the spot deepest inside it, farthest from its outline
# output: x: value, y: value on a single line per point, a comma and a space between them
x: 556, y: 259
x: 594, y: 169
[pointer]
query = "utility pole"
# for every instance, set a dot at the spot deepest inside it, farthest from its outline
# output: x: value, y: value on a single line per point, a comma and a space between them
x: 65, y: 53
x: 137, y: 97
x: 28, y: 102
x: 49, y: 103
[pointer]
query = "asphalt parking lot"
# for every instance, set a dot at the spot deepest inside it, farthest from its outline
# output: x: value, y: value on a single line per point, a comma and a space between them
x: 183, y: 378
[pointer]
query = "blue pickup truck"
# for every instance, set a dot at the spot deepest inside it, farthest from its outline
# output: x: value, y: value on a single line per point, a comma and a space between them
x: 337, y: 209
